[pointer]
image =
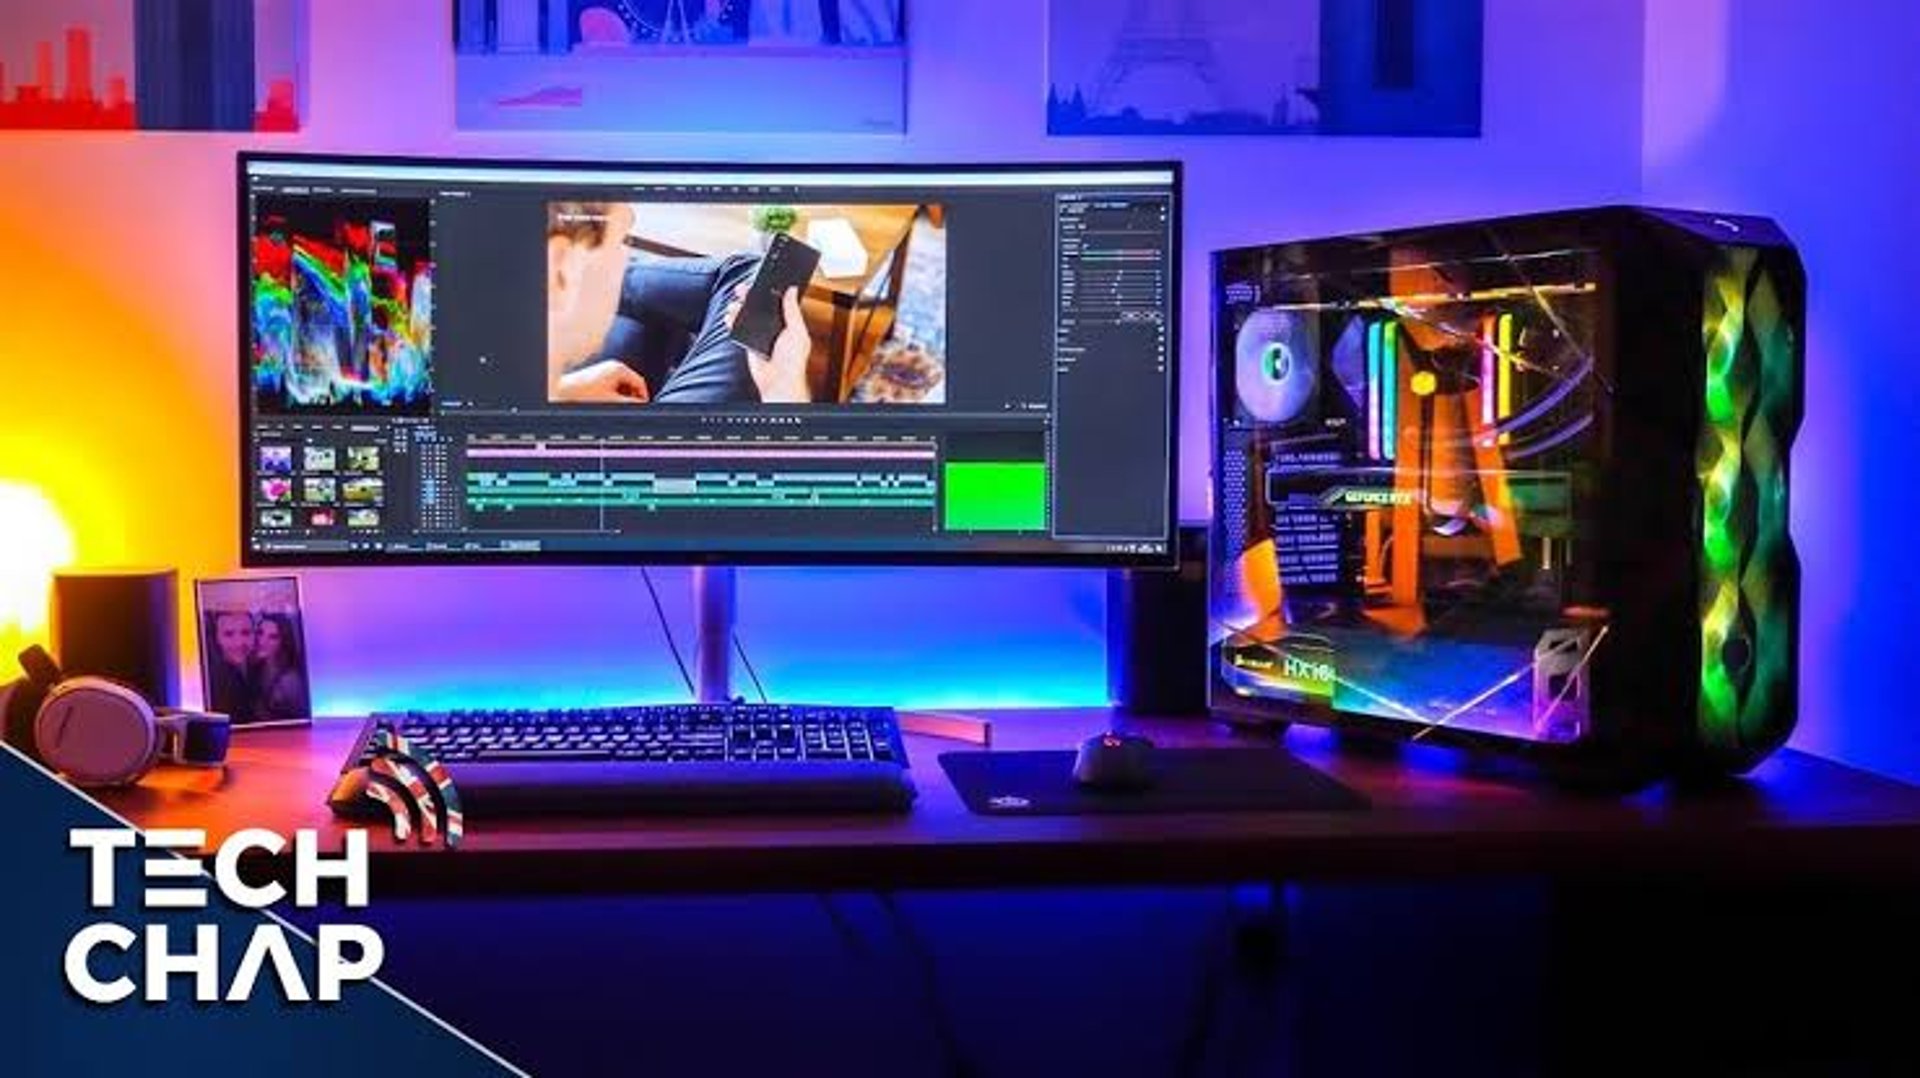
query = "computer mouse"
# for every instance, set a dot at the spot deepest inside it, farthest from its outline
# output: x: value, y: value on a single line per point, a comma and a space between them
x: 1114, y: 763
x: 349, y: 798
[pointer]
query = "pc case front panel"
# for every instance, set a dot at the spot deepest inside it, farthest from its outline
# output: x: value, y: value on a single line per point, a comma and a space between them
x: 1749, y: 573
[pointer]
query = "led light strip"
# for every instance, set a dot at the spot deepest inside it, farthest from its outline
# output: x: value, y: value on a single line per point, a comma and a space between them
x: 1504, y: 407
x: 1390, y: 388
x: 1373, y: 391
x: 1488, y: 356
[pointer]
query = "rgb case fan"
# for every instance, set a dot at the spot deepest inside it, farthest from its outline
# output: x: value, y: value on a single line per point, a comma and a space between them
x: 1516, y: 484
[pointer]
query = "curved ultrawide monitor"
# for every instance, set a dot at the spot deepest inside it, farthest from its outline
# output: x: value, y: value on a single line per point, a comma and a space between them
x: 490, y: 361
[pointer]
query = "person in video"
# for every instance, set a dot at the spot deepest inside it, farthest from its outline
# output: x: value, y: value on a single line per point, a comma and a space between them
x: 232, y: 688
x: 609, y: 307
x: 279, y: 674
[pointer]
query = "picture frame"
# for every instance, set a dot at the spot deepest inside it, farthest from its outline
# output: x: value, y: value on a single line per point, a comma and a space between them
x: 1367, y: 68
x: 681, y: 66
x: 111, y: 67
x: 253, y: 650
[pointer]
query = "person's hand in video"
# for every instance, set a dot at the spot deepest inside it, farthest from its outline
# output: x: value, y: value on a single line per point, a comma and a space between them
x: 606, y: 382
x: 782, y: 376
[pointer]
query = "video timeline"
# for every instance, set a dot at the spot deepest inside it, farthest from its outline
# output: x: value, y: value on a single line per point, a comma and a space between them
x: 597, y: 486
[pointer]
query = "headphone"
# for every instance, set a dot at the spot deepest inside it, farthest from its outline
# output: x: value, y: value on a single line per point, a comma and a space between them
x: 98, y: 732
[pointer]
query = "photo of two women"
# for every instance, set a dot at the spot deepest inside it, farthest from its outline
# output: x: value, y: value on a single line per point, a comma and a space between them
x: 252, y: 653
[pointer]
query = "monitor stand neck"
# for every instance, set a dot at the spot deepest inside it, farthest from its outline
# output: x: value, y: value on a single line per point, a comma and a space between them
x: 714, y: 607
x: 713, y: 614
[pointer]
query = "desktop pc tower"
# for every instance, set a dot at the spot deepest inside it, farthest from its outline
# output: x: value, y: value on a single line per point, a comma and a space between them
x: 1516, y: 485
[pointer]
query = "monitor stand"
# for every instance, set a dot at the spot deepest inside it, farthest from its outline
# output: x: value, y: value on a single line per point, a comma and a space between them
x: 714, y: 608
x: 715, y: 604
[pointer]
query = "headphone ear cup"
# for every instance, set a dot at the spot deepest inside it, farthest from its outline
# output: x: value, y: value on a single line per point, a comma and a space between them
x: 97, y: 733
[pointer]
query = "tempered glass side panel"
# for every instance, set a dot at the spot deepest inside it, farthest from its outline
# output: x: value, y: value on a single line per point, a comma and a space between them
x: 1407, y: 442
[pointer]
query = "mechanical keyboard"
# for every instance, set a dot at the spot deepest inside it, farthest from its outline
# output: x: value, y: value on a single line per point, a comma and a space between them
x: 677, y: 758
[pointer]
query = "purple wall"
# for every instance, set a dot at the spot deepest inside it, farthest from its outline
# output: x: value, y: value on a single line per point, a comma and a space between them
x: 977, y: 91
x: 1562, y: 126
x: 1805, y: 111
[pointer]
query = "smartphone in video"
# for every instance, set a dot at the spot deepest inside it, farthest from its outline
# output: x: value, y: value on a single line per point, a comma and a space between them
x: 788, y: 263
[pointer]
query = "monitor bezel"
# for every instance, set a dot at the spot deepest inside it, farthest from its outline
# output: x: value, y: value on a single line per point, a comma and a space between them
x: 259, y: 559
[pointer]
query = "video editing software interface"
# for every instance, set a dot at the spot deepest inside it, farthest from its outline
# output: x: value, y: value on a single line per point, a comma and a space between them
x: 496, y: 360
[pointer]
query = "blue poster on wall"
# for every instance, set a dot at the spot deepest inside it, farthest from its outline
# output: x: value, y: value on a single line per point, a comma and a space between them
x: 1264, y: 67
x: 681, y: 65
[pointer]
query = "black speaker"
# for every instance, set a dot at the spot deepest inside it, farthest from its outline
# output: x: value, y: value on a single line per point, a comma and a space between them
x: 121, y: 624
x: 1157, y: 633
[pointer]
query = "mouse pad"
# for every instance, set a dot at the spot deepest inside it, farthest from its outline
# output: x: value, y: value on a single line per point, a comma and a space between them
x: 1186, y: 780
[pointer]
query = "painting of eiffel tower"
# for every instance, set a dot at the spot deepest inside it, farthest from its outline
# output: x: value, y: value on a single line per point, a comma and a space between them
x: 1158, y: 34
x: 1287, y: 67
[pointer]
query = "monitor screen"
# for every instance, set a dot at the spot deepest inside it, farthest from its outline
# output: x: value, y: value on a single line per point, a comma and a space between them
x: 518, y: 361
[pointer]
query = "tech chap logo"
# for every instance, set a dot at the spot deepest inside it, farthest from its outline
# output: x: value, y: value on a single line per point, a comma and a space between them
x: 402, y: 776
x: 101, y: 964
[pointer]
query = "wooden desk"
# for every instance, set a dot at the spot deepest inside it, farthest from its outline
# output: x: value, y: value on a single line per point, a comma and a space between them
x: 1436, y: 814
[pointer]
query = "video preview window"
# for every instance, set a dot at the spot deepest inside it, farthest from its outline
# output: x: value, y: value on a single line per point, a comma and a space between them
x: 644, y: 301
x: 342, y: 306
